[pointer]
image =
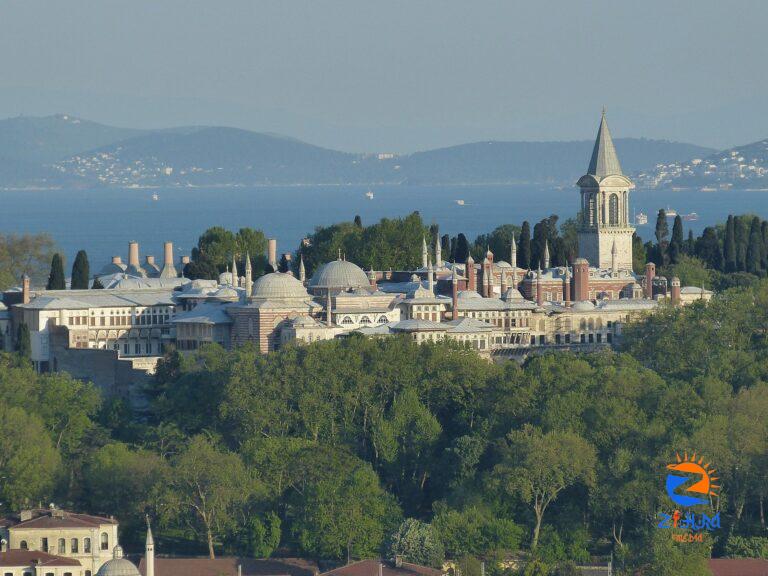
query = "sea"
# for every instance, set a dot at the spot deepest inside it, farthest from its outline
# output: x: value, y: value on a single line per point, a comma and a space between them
x: 103, y: 221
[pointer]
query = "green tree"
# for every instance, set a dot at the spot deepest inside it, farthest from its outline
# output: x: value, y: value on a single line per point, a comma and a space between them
x: 23, y: 342
x: 343, y: 512
x: 708, y: 249
x: 524, y: 256
x: 28, y: 461
x: 474, y: 531
x: 755, y: 248
x: 56, y: 279
x: 661, y: 233
x: 462, y: 249
x: 691, y: 271
x: 676, y: 246
x: 81, y: 273
x: 29, y: 254
x: 741, y: 234
x: 204, y: 489
x: 257, y: 537
x: 417, y: 542
x: 539, y: 466
x: 638, y: 254
x: 729, y: 245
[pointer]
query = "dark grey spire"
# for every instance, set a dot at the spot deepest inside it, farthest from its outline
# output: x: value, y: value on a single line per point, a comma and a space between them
x: 604, y: 160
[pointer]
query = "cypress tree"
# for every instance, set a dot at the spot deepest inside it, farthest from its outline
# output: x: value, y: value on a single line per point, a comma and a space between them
x: 742, y: 239
x: 97, y: 285
x: 754, y: 247
x: 284, y: 265
x: 358, y: 221
x: 80, y: 272
x: 23, y: 342
x: 690, y: 246
x: 462, y: 249
x: 661, y: 233
x: 445, y: 245
x: 524, y: 247
x: 56, y: 279
x: 676, y: 244
x: 764, y: 234
x: 538, y: 244
x: 729, y: 245
x: 708, y: 249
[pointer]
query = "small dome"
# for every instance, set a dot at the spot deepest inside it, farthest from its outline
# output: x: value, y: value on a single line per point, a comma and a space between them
x: 584, y: 306
x: 339, y: 274
x: 503, y: 264
x: 512, y: 294
x: 467, y: 294
x: 278, y: 285
x: 226, y: 293
x: 118, y: 566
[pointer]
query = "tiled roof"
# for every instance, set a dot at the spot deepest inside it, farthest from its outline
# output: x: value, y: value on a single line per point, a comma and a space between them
x: 227, y: 566
x: 47, y: 519
x: 604, y: 161
x: 206, y: 313
x: 378, y: 568
x: 16, y: 558
x: 738, y: 567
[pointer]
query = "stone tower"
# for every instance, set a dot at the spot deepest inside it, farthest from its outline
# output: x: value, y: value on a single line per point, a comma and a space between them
x: 604, y: 221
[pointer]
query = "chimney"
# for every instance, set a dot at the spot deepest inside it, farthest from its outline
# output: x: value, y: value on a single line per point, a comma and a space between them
x: 117, y: 260
x: 26, y: 295
x: 471, y: 275
x: 169, y: 270
x: 150, y: 259
x: 133, y: 254
x: 185, y: 260
x: 272, y: 252
x: 581, y: 279
x: 676, y: 291
x: 539, y: 294
x: 650, y: 274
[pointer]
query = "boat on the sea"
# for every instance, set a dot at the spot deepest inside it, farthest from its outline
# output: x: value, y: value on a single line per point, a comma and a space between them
x: 670, y: 212
x: 708, y: 189
x: 641, y: 219
x: 369, y: 195
x: 692, y: 217
x: 460, y: 202
x: 155, y: 196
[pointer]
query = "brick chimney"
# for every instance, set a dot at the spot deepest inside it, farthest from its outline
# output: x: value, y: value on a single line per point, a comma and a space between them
x: 676, y: 291
x: 581, y: 279
x: 150, y: 259
x: 272, y: 252
x: 26, y: 292
x: 133, y: 254
x: 117, y: 260
x: 471, y: 274
x: 650, y: 274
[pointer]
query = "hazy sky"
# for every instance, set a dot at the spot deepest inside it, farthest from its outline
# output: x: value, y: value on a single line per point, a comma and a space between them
x: 396, y: 75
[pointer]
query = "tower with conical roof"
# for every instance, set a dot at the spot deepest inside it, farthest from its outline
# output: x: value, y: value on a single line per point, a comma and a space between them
x: 604, y: 212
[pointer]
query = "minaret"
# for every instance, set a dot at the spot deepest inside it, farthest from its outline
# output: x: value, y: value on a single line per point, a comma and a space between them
x: 567, y: 286
x: 455, y: 294
x: 302, y: 270
x: 149, y: 552
x: 513, y: 262
x: 614, y: 260
x: 539, y: 293
x: 605, y: 207
x: 431, y: 277
x: 438, y: 252
x: 234, y: 271
x: 248, y: 275
x: 424, y: 252
x: 546, y: 255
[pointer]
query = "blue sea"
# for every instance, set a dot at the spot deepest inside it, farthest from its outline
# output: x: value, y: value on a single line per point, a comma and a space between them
x: 104, y: 221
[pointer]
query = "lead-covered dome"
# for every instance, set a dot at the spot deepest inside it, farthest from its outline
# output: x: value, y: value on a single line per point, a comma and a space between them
x: 339, y: 274
x: 118, y: 566
x: 278, y: 285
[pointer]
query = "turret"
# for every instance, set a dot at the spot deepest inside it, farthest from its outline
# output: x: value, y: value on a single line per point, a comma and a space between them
x: 503, y: 282
x: 431, y: 277
x: 372, y: 279
x: 248, y: 275
x: 234, y: 271
x: 272, y: 253
x: 581, y: 279
x: 676, y: 291
x: 567, y: 286
x: 650, y: 274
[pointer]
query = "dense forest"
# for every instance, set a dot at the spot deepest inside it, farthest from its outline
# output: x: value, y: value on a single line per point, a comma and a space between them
x: 351, y: 448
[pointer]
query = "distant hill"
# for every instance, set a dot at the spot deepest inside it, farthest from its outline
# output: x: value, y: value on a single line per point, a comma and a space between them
x: 51, y: 138
x: 62, y: 151
x: 740, y: 167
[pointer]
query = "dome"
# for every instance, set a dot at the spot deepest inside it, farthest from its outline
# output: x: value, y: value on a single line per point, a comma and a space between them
x: 278, y: 285
x: 512, y: 294
x: 118, y: 566
x: 503, y: 264
x: 466, y: 294
x: 226, y: 293
x: 339, y: 274
x: 583, y: 306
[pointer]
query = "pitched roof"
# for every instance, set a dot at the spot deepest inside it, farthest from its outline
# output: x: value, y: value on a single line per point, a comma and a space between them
x: 604, y: 160
x: 738, y: 567
x: 227, y: 566
x: 378, y: 568
x: 47, y: 519
x: 16, y: 557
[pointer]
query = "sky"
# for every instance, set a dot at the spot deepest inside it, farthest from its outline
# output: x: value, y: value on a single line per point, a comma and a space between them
x: 395, y: 75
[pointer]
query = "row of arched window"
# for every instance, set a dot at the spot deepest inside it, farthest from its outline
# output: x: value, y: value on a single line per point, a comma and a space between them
x: 74, y: 545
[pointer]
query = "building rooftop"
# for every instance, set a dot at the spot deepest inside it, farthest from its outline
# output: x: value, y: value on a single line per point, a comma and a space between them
x: 228, y: 566
x: 604, y: 161
x: 380, y: 568
x: 46, y: 518
x: 24, y: 558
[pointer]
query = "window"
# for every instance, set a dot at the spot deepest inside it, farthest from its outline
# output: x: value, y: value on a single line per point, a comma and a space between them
x: 74, y: 547
x: 67, y: 573
x: 104, y: 541
x: 346, y: 320
x: 23, y: 545
x: 87, y: 545
x: 365, y: 320
x: 62, y: 546
x: 383, y: 320
x: 9, y: 574
x: 87, y: 573
x: 613, y: 210
x: 44, y: 544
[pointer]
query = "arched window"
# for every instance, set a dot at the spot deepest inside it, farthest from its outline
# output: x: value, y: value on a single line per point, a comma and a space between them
x: 365, y: 320
x: 592, y: 210
x: 613, y: 210
x: 62, y: 548
x: 87, y: 545
x: 346, y: 320
x: 74, y: 546
x: 104, y: 541
x: 383, y: 320
x: 23, y: 545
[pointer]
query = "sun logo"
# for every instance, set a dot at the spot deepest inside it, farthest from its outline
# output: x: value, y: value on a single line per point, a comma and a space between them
x: 691, y: 470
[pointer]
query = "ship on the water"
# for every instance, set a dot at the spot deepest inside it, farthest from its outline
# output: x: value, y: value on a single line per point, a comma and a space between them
x: 641, y: 219
x: 692, y: 217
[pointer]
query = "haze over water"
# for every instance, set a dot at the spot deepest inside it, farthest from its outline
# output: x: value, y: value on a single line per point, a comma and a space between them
x: 103, y: 221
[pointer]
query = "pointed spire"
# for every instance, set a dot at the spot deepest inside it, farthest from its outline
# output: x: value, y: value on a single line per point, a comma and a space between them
x: 234, y: 271
x: 150, y: 539
x: 424, y: 252
x: 302, y: 270
x: 546, y: 254
x: 438, y: 252
x: 604, y: 160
